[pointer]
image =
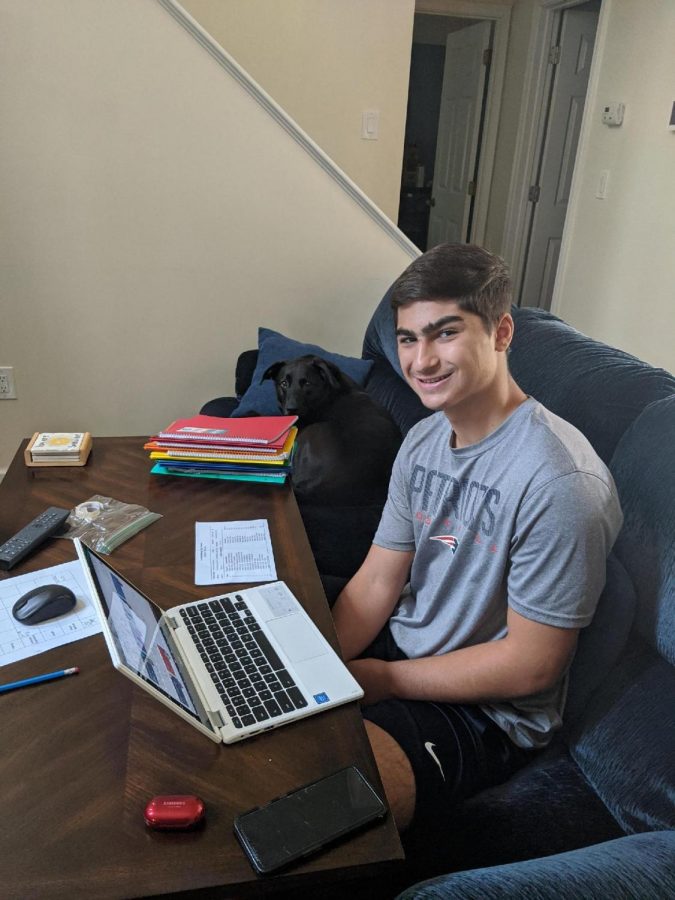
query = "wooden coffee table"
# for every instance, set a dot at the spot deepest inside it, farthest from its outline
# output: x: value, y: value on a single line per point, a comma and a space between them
x: 81, y: 756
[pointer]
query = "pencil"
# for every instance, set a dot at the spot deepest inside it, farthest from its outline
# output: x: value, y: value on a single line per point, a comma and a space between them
x: 38, y: 679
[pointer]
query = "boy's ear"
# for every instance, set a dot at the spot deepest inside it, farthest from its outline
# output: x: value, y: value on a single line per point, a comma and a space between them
x: 504, y: 333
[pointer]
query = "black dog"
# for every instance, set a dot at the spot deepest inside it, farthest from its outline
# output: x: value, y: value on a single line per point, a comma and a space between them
x: 346, y: 443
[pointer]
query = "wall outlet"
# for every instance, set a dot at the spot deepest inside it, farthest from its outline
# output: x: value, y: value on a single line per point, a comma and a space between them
x: 7, y: 386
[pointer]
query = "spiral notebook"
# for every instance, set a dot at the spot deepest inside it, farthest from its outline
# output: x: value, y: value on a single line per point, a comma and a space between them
x: 269, y: 431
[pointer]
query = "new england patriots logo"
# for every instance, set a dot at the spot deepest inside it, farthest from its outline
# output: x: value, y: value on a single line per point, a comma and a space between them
x: 448, y: 539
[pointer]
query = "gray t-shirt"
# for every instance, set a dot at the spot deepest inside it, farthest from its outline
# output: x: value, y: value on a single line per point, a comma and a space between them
x: 525, y: 518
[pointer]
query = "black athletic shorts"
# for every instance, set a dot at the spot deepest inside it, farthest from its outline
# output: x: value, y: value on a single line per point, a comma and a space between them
x: 455, y: 750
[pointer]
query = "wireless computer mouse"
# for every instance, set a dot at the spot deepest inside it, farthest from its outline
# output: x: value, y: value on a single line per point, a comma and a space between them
x: 42, y: 603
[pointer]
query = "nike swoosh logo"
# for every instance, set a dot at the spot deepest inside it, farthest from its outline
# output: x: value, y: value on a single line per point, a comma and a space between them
x: 429, y: 747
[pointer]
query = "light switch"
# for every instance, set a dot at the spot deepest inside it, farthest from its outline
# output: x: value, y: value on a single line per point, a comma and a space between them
x: 603, y: 183
x: 370, y: 124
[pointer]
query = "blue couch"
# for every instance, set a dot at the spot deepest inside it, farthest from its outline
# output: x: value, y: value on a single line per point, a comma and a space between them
x: 594, y: 815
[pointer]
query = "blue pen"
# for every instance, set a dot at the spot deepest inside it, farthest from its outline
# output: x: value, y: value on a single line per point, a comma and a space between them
x: 12, y: 686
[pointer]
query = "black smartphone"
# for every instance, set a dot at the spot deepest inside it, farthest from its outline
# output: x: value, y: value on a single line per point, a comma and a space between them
x: 307, y: 819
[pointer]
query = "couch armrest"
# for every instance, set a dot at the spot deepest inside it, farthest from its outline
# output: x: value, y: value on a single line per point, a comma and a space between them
x: 220, y: 406
x: 243, y: 374
x: 640, y: 865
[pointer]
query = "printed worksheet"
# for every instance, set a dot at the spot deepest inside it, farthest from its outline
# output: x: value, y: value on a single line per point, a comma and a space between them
x: 227, y: 552
x: 19, y: 641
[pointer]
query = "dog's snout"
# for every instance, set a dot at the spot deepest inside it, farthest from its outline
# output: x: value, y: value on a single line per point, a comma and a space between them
x: 292, y: 401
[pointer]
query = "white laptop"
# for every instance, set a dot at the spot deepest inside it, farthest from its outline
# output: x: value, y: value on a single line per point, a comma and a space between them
x: 232, y: 665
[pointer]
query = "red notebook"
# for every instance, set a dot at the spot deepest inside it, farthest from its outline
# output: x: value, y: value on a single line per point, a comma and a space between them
x: 269, y: 431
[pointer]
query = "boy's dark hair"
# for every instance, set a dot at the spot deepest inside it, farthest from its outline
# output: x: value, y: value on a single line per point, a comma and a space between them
x: 478, y: 281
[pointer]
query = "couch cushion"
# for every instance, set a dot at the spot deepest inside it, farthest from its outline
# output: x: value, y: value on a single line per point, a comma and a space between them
x: 380, y: 336
x: 274, y: 347
x: 624, y: 744
x: 600, y: 644
x: 597, y: 388
x: 390, y: 391
x: 643, y: 467
x: 546, y: 807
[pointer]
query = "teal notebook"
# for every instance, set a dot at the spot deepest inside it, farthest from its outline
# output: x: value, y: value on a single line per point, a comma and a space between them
x: 276, y: 478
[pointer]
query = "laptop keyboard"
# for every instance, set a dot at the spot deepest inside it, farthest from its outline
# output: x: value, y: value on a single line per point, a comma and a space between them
x: 245, y: 668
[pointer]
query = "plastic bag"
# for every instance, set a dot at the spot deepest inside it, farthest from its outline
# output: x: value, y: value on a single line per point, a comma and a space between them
x: 103, y: 523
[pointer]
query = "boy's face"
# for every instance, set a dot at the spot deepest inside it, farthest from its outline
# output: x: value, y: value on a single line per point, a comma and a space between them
x: 448, y: 357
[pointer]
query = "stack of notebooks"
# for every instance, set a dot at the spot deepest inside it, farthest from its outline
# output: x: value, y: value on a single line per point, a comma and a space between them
x: 256, y: 448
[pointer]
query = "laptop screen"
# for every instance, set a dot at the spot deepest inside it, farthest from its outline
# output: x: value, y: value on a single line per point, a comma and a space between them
x: 133, y: 623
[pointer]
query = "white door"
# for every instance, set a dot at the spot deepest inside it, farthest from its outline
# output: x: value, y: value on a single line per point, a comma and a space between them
x: 458, y: 130
x: 552, y: 186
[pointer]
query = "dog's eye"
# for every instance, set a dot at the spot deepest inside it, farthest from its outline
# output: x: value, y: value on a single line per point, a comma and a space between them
x: 283, y: 384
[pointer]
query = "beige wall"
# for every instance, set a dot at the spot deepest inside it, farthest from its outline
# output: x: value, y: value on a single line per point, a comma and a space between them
x: 153, y: 216
x: 324, y: 62
x: 618, y: 262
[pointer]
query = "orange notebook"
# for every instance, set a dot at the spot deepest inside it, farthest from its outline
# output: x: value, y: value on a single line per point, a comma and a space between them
x: 268, y: 431
x: 183, y: 449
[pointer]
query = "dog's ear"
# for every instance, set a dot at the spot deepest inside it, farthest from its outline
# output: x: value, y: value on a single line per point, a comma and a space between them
x: 273, y: 370
x: 329, y: 372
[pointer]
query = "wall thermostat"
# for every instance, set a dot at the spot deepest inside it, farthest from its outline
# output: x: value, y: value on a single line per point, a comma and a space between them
x: 612, y: 113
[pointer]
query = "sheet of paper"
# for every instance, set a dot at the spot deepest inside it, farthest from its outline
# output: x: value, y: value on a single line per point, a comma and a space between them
x: 19, y: 641
x: 228, y: 552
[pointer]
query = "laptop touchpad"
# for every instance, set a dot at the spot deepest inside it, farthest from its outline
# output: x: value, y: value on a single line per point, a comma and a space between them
x: 297, y: 638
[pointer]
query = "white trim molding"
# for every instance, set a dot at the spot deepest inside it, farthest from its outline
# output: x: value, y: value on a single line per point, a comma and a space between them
x: 257, y: 93
x: 582, y: 148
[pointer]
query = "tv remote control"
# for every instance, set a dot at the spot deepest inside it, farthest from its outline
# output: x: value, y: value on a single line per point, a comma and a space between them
x: 32, y: 536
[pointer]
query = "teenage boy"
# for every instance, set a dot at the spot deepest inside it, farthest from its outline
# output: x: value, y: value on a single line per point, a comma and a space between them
x: 462, y: 622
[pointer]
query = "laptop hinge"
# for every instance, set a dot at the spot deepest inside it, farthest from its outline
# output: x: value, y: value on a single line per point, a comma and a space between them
x: 173, y: 622
x: 219, y: 720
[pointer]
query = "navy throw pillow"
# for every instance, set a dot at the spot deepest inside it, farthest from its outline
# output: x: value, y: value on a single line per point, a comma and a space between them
x: 261, y: 397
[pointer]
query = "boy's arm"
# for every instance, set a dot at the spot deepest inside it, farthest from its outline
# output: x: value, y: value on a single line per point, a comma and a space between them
x: 369, y: 598
x: 530, y: 658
